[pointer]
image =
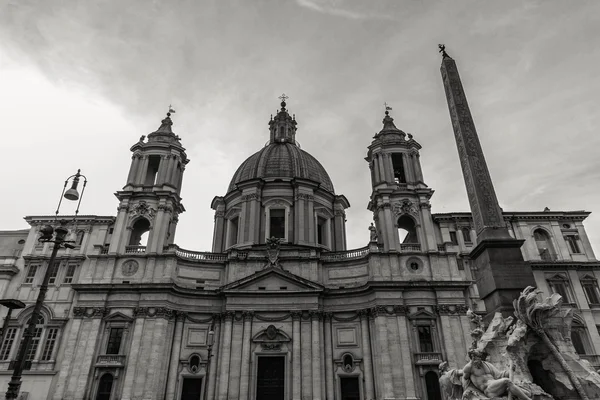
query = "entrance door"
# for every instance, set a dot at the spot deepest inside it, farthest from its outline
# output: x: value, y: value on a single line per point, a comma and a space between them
x: 433, y: 386
x: 192, y: 389
x: 350, y: 389
x: 270, y: 378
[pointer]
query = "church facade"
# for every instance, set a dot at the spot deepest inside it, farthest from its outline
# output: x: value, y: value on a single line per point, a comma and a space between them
x: 279, y: 308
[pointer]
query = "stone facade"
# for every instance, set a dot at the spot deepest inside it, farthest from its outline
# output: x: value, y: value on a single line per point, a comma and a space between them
x: 128, y: 319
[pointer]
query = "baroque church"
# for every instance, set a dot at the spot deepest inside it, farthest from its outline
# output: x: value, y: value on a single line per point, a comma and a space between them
x: 280, y: 308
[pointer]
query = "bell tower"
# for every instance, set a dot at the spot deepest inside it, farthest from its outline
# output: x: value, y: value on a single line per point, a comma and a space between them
x: 150, y: 202
x: 400, y: 198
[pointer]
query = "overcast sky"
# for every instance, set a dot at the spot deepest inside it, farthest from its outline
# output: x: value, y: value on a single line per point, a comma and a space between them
x: 81, y: 81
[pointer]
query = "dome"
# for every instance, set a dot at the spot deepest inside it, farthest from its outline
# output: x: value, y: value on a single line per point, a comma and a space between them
x: 282, y: 160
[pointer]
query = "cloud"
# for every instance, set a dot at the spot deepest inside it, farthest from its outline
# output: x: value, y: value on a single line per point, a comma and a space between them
x: 340, y: 8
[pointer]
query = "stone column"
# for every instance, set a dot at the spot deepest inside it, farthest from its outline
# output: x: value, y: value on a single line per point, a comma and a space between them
x: 339, y: 240
x: 143, y: 167
x: 367, y: 359
x: 328, y: 356
x: 218, y: 238
x: 117, y: 242
x: 133, y: 169
x: 134, y: 353
x: 175, y: 351
x: 376, y: 173
x: 429, y: 230
x: 385, y: 361
x: 312, y: 238
x: 245, y: 367
x: 66, y: 365
x: 214, y: 364
x: 169, y: 171
x: 408, y: 171
x: 407, y: 362
x: 387, y: 167
x: 418, y: 171
x: 315, y: 355
x: 224, y: 356
x: 296, y: 357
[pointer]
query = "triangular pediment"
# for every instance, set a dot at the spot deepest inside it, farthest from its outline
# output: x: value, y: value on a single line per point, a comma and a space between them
x: 118, y: 317
x: 273, y: 280
x: 422, y: 314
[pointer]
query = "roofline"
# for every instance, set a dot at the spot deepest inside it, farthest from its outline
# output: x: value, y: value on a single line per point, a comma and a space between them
x: 80, y: 218
x: 508, y: 215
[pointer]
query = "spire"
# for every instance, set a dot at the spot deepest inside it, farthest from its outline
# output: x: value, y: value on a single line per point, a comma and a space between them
x: 388, y: 124
x: 164, y: 131
x: 283, y: 126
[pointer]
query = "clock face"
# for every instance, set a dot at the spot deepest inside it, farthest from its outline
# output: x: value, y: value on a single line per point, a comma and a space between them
x: 129, y: 267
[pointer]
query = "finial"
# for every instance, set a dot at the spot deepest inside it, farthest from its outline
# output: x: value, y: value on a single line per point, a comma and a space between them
x: 171, y: 111
x: 283, y: 98
x: 442, y: 50
x: 387, y: 109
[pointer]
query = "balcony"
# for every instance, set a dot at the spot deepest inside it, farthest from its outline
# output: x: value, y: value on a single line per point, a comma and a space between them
x: 428, y: 358
x: 111, y: 360
x: 135, y: 249
x: 410, y: 247
x: 594, y: 359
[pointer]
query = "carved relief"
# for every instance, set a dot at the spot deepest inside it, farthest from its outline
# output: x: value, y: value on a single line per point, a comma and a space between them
x: 143, y: 209
x: 405, y: 206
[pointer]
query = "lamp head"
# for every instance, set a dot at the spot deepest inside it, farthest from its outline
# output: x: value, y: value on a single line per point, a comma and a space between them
x: 72, y: 194
x: 46, y: 233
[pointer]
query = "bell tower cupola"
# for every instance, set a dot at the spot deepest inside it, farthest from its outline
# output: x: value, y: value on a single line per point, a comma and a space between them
x: 283, y: 126
x: 400, y: 197
x: 150, y: 201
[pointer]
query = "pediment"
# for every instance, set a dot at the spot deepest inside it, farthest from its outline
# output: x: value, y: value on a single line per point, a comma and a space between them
x: 422, y: 314
x: 272, y: 280
x: 118, y: 317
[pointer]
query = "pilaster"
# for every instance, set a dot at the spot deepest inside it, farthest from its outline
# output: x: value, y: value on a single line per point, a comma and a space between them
x: 316, y: 356
x: 174, y: 359
x: 367, y: 358
x: 245, y: 367
x: 225, y: 356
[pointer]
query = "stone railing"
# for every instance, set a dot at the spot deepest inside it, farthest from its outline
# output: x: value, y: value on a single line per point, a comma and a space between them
x: 198, y: 255
x: 135, y: 249
x: 345, y: 255
x: 104, y: 250
x: 594, y: 359
x: 428, y: 358
x: 441, y: 248
x: 111, y: 359
x: 410, y: 247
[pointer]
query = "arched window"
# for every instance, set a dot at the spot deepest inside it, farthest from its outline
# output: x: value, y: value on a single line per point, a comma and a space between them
x: 79, y: 239
x: 42, y: 346
x: 433, y: 386
x: 407, y: 230
x: 139, y: 232
x: 579, y: 337
x: 560, y: 284
x: 105, y: 387
x: 544, y: 245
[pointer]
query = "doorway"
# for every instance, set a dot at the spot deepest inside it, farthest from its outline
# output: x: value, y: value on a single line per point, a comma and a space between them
x: 191, y: 389
x: 433, y: 386
x: 350, y: 389
x: 270, y: 378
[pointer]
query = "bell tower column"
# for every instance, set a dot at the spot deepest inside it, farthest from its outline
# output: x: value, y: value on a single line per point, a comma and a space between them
x: 502, y: 272
x: 150, y: 201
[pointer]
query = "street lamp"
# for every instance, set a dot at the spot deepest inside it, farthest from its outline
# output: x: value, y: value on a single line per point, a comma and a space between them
x: 58, y: 236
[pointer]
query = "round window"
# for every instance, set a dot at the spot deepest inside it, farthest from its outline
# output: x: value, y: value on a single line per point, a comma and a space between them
x: 21, y: 241
x: 566, y: 226
x: 414, y: 265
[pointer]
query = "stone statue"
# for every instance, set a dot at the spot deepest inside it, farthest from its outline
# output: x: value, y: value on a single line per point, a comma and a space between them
x: 450, y: 382
x: 373, y: 231
x: 482, y: 377
x: 142, y: 138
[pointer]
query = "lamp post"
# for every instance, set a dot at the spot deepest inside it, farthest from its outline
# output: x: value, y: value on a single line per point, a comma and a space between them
x: 209, y: 345
x: 58, y: 236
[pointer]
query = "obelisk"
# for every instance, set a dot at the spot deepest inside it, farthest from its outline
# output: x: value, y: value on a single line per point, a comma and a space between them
x: 501, y: 271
